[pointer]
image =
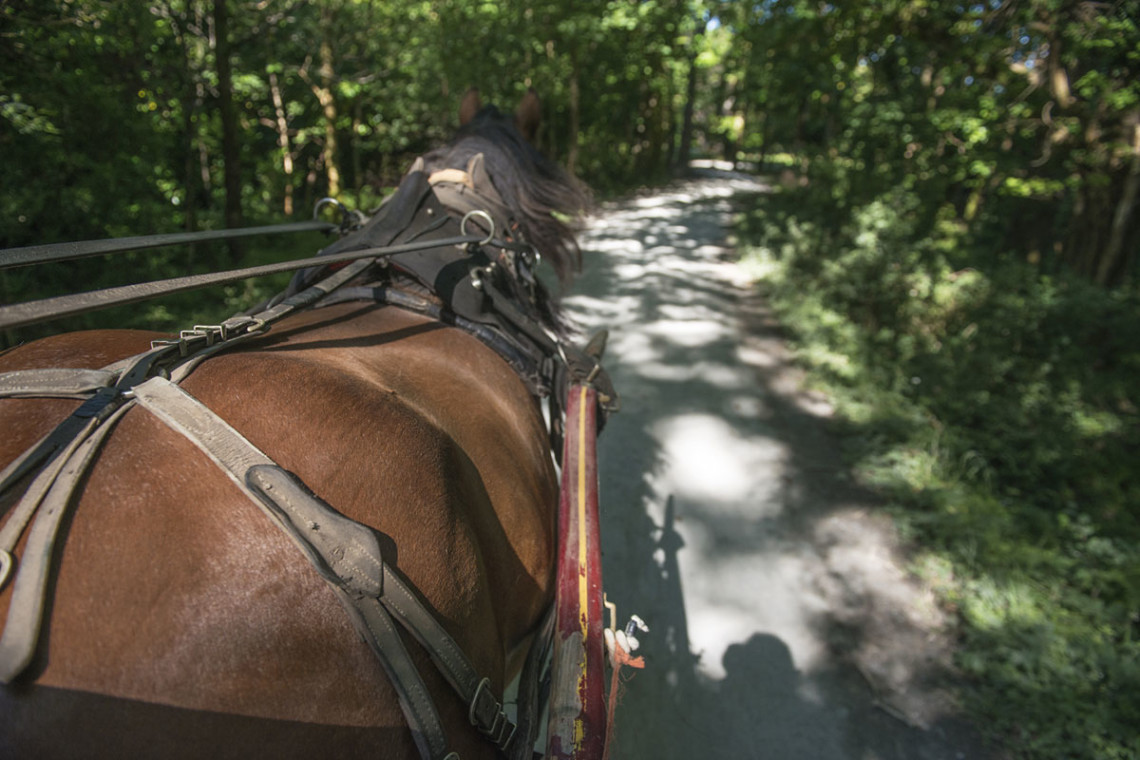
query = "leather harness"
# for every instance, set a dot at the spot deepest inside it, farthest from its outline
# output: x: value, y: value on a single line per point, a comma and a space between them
x: 493, y: 299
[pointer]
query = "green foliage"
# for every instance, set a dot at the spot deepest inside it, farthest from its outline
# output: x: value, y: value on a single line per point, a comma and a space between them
x: 996, y: 408
x: 1024, y: 114
x: 111, y: 113
x: 944, y: 270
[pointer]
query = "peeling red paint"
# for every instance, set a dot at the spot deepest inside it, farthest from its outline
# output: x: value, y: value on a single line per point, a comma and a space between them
x: 577, y: 706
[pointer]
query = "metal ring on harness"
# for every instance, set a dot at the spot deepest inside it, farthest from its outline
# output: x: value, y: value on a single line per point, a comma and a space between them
x: 482, y: 214
x: 329, y: 202
x: 349, y: 219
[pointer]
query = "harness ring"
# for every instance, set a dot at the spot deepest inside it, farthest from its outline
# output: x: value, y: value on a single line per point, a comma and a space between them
x: 329, y: 202
x: 350, y: 219
x: 482, y: 214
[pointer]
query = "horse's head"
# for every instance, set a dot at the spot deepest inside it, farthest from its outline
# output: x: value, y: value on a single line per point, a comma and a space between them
x: 495, y: 152
x: 492, y: 178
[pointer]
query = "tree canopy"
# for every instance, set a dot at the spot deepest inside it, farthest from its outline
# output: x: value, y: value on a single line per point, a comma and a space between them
x: 143, y: 116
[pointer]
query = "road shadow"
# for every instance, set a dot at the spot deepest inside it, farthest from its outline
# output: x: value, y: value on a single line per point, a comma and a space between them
x: 729, y: 522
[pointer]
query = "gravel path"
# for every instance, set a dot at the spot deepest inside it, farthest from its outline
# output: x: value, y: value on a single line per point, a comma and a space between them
x: 783, y: 625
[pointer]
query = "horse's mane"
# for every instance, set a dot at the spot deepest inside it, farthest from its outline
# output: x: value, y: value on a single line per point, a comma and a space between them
x: 533, y: 193
x: 536, y: 191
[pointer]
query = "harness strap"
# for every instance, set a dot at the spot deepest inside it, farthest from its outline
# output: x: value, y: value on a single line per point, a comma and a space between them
x: 454, y: 176
x: 529, y: 696
x: 50, y: 494
x: 347, y: 555
x: 53, y: 383
x: 526, y: 364
x: 470, y: 190
x: 54, y: 450
x: 238, y: 458
x: 507, y: 309
x: 44, y: 449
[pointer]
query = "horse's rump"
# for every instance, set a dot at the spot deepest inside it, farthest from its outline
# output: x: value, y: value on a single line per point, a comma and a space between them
x: 174, y: 591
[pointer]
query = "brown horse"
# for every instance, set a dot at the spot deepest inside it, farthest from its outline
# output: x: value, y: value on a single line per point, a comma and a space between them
x: 182, y: 623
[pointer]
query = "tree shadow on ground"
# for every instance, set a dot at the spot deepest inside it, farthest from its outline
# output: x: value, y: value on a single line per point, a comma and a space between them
x: 727, y: 518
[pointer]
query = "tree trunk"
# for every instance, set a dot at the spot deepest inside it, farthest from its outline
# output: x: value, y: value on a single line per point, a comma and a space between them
x: 575, y: 114
x: 684, y: 152
x: 670, y: 115
x: 283, y: 142
x: 323, y: 90
x: 1058, y: 76
x: 1110, y: 261
x: 447, y: 117
x: 357, y: 170
x: 231, y: 150
x: 189, y: 174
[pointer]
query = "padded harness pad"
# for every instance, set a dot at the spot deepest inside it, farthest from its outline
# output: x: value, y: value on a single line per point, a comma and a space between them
x: 344, y: 552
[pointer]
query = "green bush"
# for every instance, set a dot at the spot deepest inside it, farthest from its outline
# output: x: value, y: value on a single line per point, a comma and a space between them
x: 995, y: 408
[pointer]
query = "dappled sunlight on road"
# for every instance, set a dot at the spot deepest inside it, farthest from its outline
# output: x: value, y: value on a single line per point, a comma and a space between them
x: 725, y: 523
x: 709, y: 462
x: 666, y: 289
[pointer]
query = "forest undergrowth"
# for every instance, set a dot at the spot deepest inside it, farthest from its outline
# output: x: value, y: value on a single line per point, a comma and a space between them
x: 994, y: 406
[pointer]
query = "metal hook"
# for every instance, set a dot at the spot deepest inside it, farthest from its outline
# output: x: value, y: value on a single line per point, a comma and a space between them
x: 329, y: 202
x: 350, y: 219
x: 484, y: 215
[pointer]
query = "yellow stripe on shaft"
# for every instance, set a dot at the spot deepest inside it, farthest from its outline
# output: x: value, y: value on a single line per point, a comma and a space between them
x: 583, y: 581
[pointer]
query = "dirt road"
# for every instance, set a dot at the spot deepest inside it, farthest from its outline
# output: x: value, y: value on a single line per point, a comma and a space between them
x: 783, y: 624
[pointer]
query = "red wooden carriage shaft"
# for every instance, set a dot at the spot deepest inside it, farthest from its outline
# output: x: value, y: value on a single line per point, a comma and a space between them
x: 577, y: 725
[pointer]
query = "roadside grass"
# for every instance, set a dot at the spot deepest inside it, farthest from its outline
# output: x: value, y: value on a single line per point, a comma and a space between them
x: 994, y: 408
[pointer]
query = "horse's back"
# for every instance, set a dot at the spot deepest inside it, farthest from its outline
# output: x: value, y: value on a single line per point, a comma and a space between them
x: 181, y: 615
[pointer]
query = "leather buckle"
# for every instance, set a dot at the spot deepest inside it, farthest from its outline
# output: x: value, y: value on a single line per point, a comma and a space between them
x: 496, y: 727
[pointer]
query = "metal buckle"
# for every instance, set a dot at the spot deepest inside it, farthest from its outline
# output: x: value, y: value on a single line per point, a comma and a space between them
x: 483, y: 688
x: 227, y: 330
x: 497, y: 732
x: 167, y: 342
x: 6, y: 563
x: 209, y: 332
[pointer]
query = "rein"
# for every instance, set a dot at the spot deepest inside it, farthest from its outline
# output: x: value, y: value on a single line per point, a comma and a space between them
x: 45, y: 254
x: 48, y: 309
x: 491, y: 298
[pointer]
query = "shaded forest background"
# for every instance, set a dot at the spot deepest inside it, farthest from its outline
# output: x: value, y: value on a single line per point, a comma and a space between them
x: 952, y: 245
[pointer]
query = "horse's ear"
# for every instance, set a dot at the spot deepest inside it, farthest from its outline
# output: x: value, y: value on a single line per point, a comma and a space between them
x: 477, y: 172
x: 469, y: 106
x: 528, y: 115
